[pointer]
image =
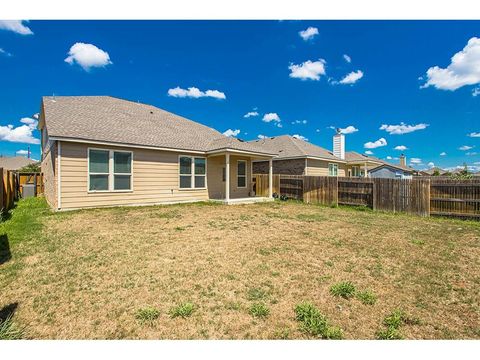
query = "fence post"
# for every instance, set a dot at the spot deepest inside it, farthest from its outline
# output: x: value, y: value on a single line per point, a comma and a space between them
x: 374, y: 194
x: 2, y: 192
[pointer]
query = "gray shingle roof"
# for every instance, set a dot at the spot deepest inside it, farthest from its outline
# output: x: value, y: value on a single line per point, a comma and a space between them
x: 15, y: 163
x: 109, y: 119
x: 287, y: 146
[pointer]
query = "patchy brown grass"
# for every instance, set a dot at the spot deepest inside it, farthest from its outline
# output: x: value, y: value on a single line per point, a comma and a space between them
x: 87, y: 273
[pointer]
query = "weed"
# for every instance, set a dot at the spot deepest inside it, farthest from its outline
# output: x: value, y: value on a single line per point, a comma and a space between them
x: 282, y: 334
x: 183, y: 310
x: 367, y: 297
x: 147, y: 315
x: 344, y: 289
x: 395, y: 319
x: 256, y: 294
x: 418, y: 242
x: 389, y: 333
x: 9, y: 330
x: 393, y: 323
x: 232, y: 305
x: 259, y: 310
x: 313, y: 322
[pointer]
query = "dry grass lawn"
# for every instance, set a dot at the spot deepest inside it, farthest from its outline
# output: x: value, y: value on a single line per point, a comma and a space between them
x: 86, y: 274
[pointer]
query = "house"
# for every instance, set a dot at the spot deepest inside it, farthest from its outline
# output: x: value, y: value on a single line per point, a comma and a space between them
x: 299, y: 157
x: 391, y: 171
x: 434, y: 171
x: 104, y: 151
x: 15, y: 162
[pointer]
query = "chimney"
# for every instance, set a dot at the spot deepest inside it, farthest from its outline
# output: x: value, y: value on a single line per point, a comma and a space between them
x: 339, y: 145
x: 403, y: 160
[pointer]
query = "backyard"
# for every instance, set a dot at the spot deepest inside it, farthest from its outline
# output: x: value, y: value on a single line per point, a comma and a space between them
x: 208, y: 271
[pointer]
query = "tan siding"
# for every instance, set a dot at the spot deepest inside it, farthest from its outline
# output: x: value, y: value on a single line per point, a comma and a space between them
x: 216, y: 187
x: 320, y: 168
x: 48, y: 166
x: 155, y: 179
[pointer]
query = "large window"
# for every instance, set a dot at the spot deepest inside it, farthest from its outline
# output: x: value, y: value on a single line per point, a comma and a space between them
x: 355, y: 171
x: 193, y: 172
x: 109, y: 170
x: 242, y: 174
x: 332, y: 169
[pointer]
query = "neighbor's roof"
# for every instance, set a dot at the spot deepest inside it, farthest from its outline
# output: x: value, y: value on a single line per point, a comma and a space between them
x: 113, y: 120
x: 287, y: 146
x: 395, y: 166
x: 353, y: 156
x: 15, y: 163
x: 432, y: 170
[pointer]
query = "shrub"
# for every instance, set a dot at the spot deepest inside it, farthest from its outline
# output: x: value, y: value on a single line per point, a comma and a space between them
x: 9, y: 330
x: 259, y: 310
x: 183, y: 310
x: 313, y: 322
x: 147, y: 315
x: 344, y: 289
x: 367, y: 297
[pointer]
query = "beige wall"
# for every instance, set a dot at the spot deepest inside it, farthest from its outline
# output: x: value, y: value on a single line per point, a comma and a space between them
x: 320, y: 168
x: 49, y: 169
x: 155, y: 179
x: 216, y: 187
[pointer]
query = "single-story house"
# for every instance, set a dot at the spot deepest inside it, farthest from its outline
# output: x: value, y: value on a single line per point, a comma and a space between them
x: 434, y: 171
x: 15, y: 162
x: 104, y: 151
x: 391, y: 171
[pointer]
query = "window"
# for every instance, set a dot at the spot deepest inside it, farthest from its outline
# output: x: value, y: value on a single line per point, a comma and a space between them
x: 332, y: 169
x: 109, y: 170
x: 241, y: 174
x: 224, y: 174
x: 193, y: 172
x: 355, y: 171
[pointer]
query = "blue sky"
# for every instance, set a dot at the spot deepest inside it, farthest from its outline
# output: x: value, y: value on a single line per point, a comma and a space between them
x: 264, y: 67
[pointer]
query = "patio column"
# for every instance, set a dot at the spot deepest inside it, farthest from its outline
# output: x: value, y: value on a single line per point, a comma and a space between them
x: 270, y: 178
x: 365, y: 170
x: 227, y: 176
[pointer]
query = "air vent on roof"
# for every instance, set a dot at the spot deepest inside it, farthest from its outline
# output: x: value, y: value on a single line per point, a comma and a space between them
x: 151, y: 112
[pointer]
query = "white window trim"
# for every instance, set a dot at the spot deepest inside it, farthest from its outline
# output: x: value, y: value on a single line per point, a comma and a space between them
x: 111, y: 173
x: 333, y: 166
x: 239, y: 176
x: 192, y: 175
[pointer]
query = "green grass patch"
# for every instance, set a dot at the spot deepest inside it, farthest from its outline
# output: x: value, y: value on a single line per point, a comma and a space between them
x: 367, y: 297
x: 147, y: 315
x: 9, y: 330
x: 314, y: 323
x: 418, y: 242
x: 259, y: 310
x: 393, y: 322
x: 183, y: 310
x: 255, y: 294
x: 344, y: 289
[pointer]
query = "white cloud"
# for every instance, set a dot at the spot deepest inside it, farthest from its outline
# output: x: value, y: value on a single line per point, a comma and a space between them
x: 347, y: 58
x: 30, y: 122
x: 471, y: 153
x: 317, y: 130
x: 271, y: 117
x: 250, y: 114
x: 402, y: 128
x: 474, y: 134
x: 430, y: 164
x: 463, y: 70
x: 401, y: 147
x: 308, y: 70
x: 476, y: 92
x: 309, y: 33
x: 465, y: 147
x: 262, y: 136
x: 4, y: 52
x: 375, y: 144
x: 16, y: 26
x: 22, y: 152
x: 352, y: 78
x: 368, y: 152
x: 193, y: 92
x: 416, y: 161
x: 87, y: 56
x: 348, y: 130
x: 300, y: 137
x: 231, y: 132
x: 443, y: 153
x: 389, y: 158
x: 299, y: 122
x: 22, y: 134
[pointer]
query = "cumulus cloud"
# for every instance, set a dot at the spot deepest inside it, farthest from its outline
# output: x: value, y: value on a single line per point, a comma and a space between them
x: 443, y: 153
x: 389, y: 158
x: 375, y: 144
x: 17, y: 26
x: 260, y: 136
x: 251, y: 114
x: 231, y: 133
x: 193, y: 92
x: 401, y: 147
x: 368, y: 152
x: 20, y: 134
x: 415, y: 161
x: 347, y: 58
x: 465, y: 147
x: 87, y: 56
x: 464, y: 69
x: 474, y: 134
x: 308, y: 70
x: 430, y: 164
x: 352, y: 77
x: 269, y: 117
x: 308, y: 33
x: 350, y: 129
x: 22, y: 152
x: 402, y: 128
x: 300, y: 137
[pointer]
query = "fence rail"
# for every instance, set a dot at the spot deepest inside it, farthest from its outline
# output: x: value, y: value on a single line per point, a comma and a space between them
x: 35, y: 179
x: 420, y: 196
x: 8, y: 189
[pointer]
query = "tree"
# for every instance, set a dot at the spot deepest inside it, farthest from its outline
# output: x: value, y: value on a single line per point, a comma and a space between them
x: 31, y: 168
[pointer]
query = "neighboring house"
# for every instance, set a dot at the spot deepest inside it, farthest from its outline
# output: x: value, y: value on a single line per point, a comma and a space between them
x: 432, y: 171
x: 391, y: 171
x: 15, y: 162
x: 104, y: 151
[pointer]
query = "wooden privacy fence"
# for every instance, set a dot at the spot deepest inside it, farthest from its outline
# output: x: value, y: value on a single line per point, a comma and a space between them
x: 8, y: 189
x: 35, y: 179
x: 418, y: 196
